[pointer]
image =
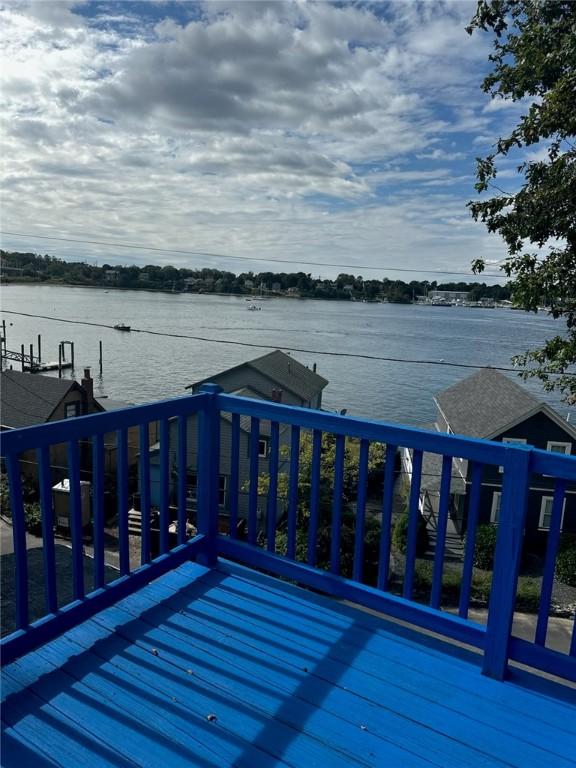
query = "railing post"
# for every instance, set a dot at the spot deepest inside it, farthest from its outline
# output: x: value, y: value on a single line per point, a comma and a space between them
x: 515, y: 490
x: 209, y: 471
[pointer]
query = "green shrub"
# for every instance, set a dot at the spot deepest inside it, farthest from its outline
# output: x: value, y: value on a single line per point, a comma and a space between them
x: 566, y: 560
x: 400, y: 535
x: 33, y: 518
x: 4, y: 496
x: 528, y: 594
x: 485, y: 546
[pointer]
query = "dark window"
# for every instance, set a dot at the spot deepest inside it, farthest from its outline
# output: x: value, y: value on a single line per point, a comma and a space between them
x: 262, y: 448
x: 71, y: 410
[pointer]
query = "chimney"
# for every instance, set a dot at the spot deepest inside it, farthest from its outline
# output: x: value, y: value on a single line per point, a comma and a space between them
x: 88, y: 384
x: 277, y: 395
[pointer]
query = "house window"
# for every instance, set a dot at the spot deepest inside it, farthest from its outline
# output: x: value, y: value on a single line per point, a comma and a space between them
x: 512, y: 440
x: 555, y: 447
x: 71, y: 410
x: 222, y: 490
x: 192, y: 489
x: 263, y: 448
x: 495, y: 511
x: 546, y: 512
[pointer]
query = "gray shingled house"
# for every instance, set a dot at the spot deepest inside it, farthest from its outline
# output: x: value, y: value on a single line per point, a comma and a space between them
x: 492, y: 406
x: 27, y: 399
x: 275, y: 376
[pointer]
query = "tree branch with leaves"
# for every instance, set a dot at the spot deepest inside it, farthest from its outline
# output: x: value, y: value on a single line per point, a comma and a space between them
x: 534, y: 59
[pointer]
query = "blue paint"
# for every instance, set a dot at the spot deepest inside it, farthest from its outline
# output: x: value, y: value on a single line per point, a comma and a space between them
x: 386, y: 525
x: 144, y: 485
x: 468, y: 567
x: 550, y: 562
x: 272, y: 505
x: 19, y: 539
x: 182, y: 512
x: 234, y: 475
x: 359, y: 528
x: 436, y: 593
x: 519, y: 462
x: 293, y: 491
x: 337, y: 504
x: 76, y: 520
x: 48, y: 552
x: 253, y: 487
x: 506, y: 561
x: 164, y: 484
x: 413, y: 519
x: 314, y: 495
x: 122, y: 465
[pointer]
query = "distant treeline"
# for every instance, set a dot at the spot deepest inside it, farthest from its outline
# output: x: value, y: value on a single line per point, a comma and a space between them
x: 31, y: 267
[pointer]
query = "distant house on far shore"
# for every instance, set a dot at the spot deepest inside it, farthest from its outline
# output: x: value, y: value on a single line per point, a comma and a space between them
x: 490, y: 405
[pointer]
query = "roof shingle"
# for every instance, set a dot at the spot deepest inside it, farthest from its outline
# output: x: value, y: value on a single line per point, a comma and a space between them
x: 27, y: 399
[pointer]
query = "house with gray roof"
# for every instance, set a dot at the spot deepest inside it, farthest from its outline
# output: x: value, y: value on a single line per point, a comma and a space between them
x: 490, y: 405
x: 27, y: 399
x: 275, y: 376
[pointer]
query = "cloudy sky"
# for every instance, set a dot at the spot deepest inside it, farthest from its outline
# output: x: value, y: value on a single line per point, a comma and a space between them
x: 307, y: 132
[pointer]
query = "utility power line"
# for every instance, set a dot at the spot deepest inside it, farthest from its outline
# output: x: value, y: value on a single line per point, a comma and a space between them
x: 354, y: 355
x: 213, y: 255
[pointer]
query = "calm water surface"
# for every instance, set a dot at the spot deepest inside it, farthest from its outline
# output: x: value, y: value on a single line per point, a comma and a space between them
x: 139, y: 367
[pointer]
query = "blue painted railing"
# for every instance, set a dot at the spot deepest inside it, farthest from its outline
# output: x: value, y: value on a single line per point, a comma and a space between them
x: 259, y: 548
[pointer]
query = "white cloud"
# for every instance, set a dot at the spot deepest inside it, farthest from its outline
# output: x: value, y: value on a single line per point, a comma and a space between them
x: 233, y: 131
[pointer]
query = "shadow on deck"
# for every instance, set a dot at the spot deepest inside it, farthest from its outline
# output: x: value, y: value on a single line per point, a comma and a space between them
x: 230, y: 667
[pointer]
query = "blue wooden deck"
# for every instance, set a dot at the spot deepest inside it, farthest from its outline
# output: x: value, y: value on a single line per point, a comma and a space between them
x: 228, y: 667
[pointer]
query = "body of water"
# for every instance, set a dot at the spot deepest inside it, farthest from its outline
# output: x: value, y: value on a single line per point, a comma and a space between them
x: 139, y: 367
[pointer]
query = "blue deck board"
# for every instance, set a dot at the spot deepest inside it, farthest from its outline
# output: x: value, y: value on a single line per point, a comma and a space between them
x: 293, y: 679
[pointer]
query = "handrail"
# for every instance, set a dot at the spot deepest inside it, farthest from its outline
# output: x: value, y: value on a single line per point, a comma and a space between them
x: 518, y: 463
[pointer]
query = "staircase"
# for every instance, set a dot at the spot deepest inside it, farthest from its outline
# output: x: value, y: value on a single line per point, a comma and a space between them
x: 134, y: 522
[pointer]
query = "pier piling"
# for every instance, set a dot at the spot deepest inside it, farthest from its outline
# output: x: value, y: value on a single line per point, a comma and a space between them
x: 39, y: 349
x: 22, y: 354
x: 60, y: 360
x: 100, y: 357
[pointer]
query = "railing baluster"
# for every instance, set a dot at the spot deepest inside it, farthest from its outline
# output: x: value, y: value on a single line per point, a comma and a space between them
x: 47, y: 529
x: 122, y: 472
x: 550, y: 562
x: 337, y: 504
x: 164, y: 484
x: 19, y: 538
x: 234, y: 475
x: 468, y: 567
x: 314, y: 495
x: 358, y: 566
x: 436, y: 592
x: 98, y: 509
x: 573, y: 641
x: 182, y: 473
x: 144, y: 443
x: 75, y: 510
x: 387, y: 506
x: 515, y: 489
x: 272, y: 506
x: 253, y: 489
x: 293, y: 491
x: 413, y: 519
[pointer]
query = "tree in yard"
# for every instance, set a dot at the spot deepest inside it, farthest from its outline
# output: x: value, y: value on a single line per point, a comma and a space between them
x: 534, y: 60
x: 376, y: 456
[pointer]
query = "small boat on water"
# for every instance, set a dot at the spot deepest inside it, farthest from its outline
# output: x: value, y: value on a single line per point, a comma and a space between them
x: 254, y: 308
x: 122, y: 327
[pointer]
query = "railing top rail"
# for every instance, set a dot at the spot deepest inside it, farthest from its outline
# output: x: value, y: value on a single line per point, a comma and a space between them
x: 485, y: 451
x: 64, y: 430
x: 553, y: 464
